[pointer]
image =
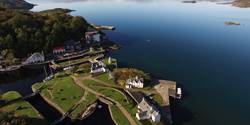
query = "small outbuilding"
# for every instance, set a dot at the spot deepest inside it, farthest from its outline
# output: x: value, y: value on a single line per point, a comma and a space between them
x: 135, y: 82
x: 98, y: 67
x: 35, y: 58
x: 59, y: 50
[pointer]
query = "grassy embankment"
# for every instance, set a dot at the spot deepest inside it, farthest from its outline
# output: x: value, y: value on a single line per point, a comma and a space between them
x: 117, y: 115
x: 89, y: 99
x: 73, y: 62
x: 65, y: 94
x: 156, y: 97
x: 117, y: 96
x: 105, y: 78
x: 22, y: 109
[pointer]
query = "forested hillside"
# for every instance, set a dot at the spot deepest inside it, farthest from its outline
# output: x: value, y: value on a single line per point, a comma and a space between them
x: 24, y: 32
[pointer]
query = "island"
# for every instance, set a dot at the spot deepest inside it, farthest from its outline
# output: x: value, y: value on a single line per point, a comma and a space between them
x: 16, y: 4
x: 189, y: 1
x: 56, y: 11
x: 232, y: 23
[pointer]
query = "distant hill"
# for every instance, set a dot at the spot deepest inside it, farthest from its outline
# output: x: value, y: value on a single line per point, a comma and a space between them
x: 242, y: 3
x: 56, y: 11
x: 16, y: 4
x: 236, y: 3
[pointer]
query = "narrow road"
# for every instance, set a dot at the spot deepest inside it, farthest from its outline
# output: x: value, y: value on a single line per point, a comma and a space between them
x: 78, y: 81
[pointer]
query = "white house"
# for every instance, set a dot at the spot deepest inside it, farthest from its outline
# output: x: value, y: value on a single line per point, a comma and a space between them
x: 147, y: 111
x: 35, y: 58
x: 92, y: 36
x: 98, y: 67
x: 134, y: 83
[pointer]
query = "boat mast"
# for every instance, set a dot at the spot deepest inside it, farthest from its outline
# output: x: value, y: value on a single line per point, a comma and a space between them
x: 44, y: 66
x: 45, y: 71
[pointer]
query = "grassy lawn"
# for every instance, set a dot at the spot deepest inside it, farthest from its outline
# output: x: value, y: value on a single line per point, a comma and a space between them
x: 22, y: 109
x: 90, y: 99
x: 72, y: 62
x: 157, y: 98
x: 127, y: 104
x: 118, y: 116
x: 62, y: 91
x: 105, y: 78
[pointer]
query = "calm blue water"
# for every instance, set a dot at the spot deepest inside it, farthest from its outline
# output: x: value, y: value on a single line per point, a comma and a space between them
x: 188, y: 43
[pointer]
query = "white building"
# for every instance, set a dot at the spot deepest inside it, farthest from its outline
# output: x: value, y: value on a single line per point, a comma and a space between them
x: 98, y: 67
x: 92, y: 36
x: 147, y: 111
x: 134, y: 83
x: 35, y: 58
x: 178, y: 93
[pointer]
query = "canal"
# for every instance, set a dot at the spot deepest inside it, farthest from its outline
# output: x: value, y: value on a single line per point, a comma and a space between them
x: 23, y: 86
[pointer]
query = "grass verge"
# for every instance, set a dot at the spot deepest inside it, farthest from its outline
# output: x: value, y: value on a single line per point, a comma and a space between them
x: 22, y: 109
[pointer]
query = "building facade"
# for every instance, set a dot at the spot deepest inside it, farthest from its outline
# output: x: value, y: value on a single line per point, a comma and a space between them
x: 98, y: 67
x: 35, y: 58
x: 59, y: 50
x: 147, y: 111
x: 92, y: 37
x: 134, y: 83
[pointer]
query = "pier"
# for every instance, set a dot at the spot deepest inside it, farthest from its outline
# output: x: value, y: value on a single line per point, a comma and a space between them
x: 166, y: 89
x: 103, y: 27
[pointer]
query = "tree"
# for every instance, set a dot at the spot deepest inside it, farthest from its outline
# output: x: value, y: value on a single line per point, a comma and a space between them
x: 28, y: 32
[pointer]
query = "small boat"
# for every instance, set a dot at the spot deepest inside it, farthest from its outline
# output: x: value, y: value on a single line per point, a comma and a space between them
x: 179, y: 93
x: 99, y: 106
x: 68, y: 68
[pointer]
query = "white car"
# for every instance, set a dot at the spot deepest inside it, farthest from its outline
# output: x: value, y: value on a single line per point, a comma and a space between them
x: 68, y: 68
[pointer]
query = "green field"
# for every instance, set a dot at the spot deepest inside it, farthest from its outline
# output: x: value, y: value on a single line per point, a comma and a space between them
x: 118, y: 116
x: 22, y: 109
x: 89, y: 99
x: 104, y: 77
x: 114, y: 94
x: 73, y: 62
x: 157, y: 98
x: 62, y: 91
